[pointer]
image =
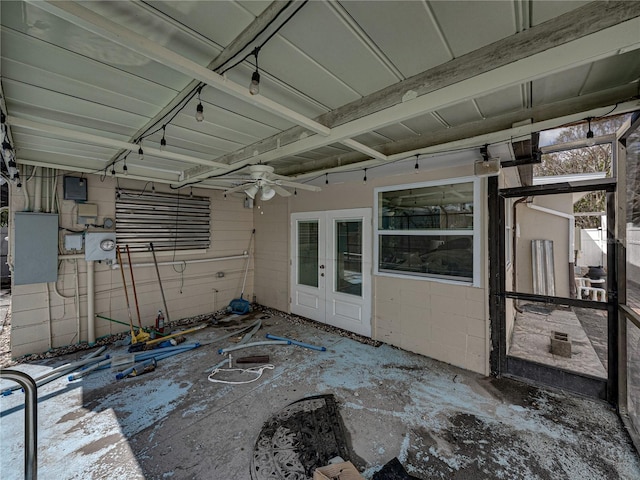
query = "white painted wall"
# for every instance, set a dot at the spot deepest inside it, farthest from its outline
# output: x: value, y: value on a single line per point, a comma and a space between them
x: 196, y: 290
x: 593, y: 244
x: 537, y: 225
x: 444, y: 321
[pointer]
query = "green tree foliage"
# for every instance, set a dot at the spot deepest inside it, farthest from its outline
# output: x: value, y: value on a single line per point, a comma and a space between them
x: 582, y: 160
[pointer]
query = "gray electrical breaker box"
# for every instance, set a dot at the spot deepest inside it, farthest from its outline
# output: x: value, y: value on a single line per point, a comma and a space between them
x: 35, y: 248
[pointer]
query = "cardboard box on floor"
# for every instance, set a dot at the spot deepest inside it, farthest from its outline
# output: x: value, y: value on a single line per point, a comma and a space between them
x: 337, y: 471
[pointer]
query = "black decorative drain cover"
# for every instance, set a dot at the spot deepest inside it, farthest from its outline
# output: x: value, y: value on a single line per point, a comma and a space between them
x: 303, y: 436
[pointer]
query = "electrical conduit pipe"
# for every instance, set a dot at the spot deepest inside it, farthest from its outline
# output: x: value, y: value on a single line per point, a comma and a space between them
x: 37, y: 201
x: 91, y: 311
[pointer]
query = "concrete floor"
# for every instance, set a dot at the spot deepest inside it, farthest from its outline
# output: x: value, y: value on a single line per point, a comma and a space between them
x: 531, y: 336
x: 440, y: 421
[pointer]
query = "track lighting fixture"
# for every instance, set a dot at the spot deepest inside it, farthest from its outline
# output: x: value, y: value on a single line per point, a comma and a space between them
x: 199, y: 108
x: 191, y: 192
x: 140, y: 153
x: 295, y: 191
x: 124, y: 166
x: 590, y: 140
x: 81, y: 181
x: 364, y: 180
x: 113, y: 169
x: 153, y: 188
x: 254, y: 86
x: 326, y: 179
x: 417, y: 167
x: 163, y: 141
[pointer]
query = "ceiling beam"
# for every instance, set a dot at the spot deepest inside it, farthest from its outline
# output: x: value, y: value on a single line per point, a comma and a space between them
x: 234, y: 48
x: 359, y: 147
x: 492, y: 137
x: 589, y: 33
x: 95, y: 23
x: 109, y: 142
x: 89, y: 170
x: 537, y: 52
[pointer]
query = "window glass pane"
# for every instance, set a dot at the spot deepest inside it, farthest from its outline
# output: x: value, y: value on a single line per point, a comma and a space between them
x: 440, y: 207
x: 308, y: 253
x: 349, y: 257
x: 428, y: 255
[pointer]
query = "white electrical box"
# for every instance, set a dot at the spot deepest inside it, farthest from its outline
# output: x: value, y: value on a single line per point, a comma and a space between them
x: 87, y: 213
x: 73, y: 241
x: 100, y: 246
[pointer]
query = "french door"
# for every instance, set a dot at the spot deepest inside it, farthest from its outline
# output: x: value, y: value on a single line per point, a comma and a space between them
x: 331, y: 268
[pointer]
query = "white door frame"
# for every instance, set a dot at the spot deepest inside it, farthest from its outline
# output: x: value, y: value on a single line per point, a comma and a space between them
x: 324, y: 303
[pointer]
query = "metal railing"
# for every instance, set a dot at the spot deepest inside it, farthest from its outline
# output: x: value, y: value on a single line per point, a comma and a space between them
x: 30, y: 419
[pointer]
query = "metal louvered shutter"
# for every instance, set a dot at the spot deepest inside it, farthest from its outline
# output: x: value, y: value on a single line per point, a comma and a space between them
x: 170, y: 221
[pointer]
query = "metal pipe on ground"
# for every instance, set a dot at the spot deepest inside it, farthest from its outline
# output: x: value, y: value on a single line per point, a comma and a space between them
x: 254, y: 344
x: 58, y: 372
x: 30, y: 419
x: 298, y: 343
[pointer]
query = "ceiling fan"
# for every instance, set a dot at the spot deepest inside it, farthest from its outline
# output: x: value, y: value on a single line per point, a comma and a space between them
x: 267, y: 183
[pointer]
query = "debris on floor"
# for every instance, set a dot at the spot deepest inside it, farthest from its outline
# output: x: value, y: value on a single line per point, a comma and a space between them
x: 302, y: 437
x: 341, y: 471
x: 393, y: 470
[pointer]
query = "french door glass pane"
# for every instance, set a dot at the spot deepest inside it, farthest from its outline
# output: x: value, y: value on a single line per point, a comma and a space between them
x: 308, y: 253
x: 349, y: 257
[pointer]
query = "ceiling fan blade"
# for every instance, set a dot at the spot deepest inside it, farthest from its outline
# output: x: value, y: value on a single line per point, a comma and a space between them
x: 281, y: 191
x: 239, y: 188
x: 299, y: 186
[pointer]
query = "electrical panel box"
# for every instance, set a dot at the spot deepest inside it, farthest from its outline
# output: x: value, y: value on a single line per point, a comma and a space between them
x: 87, y: 213
x: 36, y: 248
x: 100, y: 246
x: 73, y: 241
x: 75, y: 188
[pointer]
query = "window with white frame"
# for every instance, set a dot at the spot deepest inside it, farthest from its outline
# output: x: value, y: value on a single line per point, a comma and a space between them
x: 429, y: 230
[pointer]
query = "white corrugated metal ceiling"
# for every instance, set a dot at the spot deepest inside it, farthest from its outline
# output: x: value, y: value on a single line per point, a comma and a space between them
x: 342, y: 83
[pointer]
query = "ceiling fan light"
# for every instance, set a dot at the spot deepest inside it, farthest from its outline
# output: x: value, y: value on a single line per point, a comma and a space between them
x: 267, y: 193
x: 251, y: 191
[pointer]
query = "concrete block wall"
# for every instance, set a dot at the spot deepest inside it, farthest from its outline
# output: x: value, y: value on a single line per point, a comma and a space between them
x: 438, y: 320
x: 190, y: 289
x: 272, y: 253
x: 445, y: 321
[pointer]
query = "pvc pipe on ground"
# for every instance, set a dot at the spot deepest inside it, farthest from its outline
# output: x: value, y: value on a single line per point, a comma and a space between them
x: 296, y: 342
x: 254, y: 344
x: 59, y: 372
x: 163, y: 355
x: 91, y: 291
x: 160, y: 351
x: 88, y: 370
